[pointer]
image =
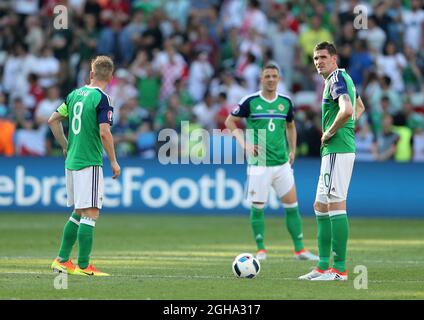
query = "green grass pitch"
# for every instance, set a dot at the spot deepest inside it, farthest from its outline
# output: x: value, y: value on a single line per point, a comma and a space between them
x: 189, y: 257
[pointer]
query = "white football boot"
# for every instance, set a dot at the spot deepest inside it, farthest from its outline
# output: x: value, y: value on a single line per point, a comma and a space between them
x: 261, y: 255
x: 305, y: 255
x: 332, y: 275
x: 313, y: 274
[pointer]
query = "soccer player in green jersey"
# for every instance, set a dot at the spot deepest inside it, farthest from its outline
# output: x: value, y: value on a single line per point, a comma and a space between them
x: 269, y: 117
x: 341, y: 107
x: 90, y: 116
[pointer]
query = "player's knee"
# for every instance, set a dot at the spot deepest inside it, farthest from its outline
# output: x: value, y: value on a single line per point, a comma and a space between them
x: 258, y: 205
x: 289, y: 205
x: 320, y: 207
x: 92, y: 213
x: 337, y: 204
x: 78, y: 212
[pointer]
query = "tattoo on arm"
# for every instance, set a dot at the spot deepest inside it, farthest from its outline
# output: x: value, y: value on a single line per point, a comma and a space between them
x: 344, y: 97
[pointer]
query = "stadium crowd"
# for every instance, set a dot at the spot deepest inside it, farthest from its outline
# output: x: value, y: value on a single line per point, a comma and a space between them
x: 193, y: 60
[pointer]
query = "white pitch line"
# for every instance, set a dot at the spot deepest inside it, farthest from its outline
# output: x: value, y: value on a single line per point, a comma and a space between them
x: 198, y: 277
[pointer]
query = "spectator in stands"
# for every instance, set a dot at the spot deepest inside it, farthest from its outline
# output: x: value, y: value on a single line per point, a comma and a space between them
x: 148, y: 81
x: 130, y: 37
x: 374, y: 36
x: 250, y: 72
x: 418, y: 145
x: 360, y: 63
x: 7, y: 129
x: 206, y: 111
x: 47, y: 68
x: 200, y: 74
x: 157, y: 42
x: 18, y: 65
x: 284, y: 44
x: 385, y: 89
x: 122, y: 89
x: 346, y: 45
x: 412, y: 75
x: 253, y: 18
x: 311, y: 36
x: 385, y: 143
x: 109, y: 43
x: 365, y: 143
x: 87, y: 38
x: 413, y: 20
x: 34, y: 38
x: 171, y: 66
x: 392, y: 63
x: 124, y: 134
x: 47, y: 106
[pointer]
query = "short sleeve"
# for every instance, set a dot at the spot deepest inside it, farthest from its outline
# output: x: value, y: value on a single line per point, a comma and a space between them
x: 337, y: 86
x: 290, y: 113
x: 242, y: 110
x: 104, y: 110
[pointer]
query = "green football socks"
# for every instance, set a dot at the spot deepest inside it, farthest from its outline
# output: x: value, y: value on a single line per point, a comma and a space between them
x: 257, y: 222
x: 85, y: 241
x: 324, y: 240
x: 69, y: 237
x: 340, y: 234
x: 294, y: 226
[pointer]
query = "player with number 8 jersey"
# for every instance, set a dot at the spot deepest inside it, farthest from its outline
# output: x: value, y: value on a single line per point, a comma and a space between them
x: 90, y: 114
x: 85, y: 107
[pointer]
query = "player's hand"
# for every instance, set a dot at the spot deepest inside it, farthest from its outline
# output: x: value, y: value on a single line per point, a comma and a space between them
x: 251, y: 149
x: 65, y: 152
x: 326, y: 136
x: 292, y: 156
x: 116, y: 170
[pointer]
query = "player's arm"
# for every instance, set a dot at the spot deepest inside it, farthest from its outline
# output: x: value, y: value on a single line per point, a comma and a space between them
x: 105, y: 120
x: 359, y: 108
x: 292, y: 140
x: 107, y: 141
x: 291, y: 134
x: 55, y: 124
x: 241, y: 111
x: 344, y: 114
x: 231, y: 124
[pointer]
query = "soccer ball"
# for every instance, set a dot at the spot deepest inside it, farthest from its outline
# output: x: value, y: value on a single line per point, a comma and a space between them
x: 245, y: 265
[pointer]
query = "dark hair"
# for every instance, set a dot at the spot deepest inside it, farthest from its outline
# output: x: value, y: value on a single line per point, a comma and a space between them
x: 271, y: 65
x: 254, y: 3
x: 325, y: 45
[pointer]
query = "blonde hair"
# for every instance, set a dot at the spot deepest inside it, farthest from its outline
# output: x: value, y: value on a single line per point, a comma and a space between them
x: 102, y: 67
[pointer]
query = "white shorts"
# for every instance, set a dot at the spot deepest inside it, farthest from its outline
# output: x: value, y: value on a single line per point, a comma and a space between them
x: 334, y: 179
x: 85, y: 187
x: 261, y: 179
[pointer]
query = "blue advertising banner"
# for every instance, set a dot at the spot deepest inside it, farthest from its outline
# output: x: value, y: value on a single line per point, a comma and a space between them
x: 146, y: 186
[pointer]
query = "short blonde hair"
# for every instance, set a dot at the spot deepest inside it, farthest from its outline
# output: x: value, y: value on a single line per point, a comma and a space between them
x: 102, y: 67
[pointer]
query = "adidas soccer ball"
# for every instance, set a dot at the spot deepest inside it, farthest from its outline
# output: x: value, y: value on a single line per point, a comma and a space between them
x: 245, y: 265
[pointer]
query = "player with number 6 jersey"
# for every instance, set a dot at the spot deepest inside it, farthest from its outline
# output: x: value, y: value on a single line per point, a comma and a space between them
x: 270, y: 132
x: 90, y: 115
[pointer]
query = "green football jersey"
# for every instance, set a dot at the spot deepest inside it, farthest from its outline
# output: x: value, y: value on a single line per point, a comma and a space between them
x: 336, y: 84
x: 266, y: 126
x: 85, y: 108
